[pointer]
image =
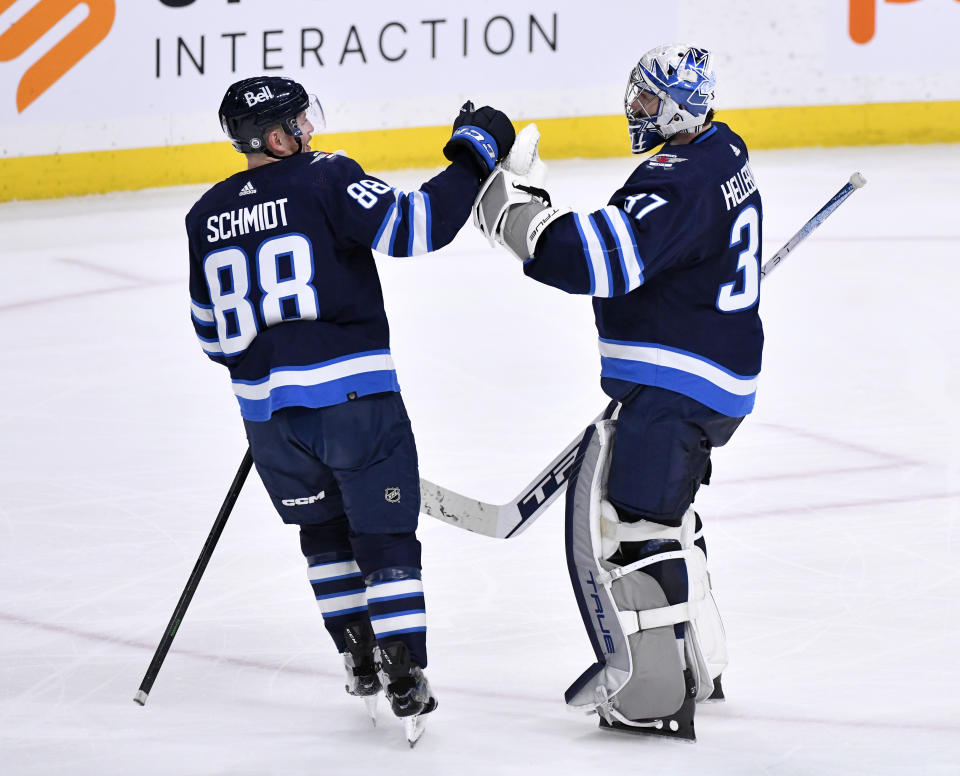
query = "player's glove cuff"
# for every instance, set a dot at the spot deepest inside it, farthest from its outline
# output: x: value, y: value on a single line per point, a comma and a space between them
x: 481, y: 146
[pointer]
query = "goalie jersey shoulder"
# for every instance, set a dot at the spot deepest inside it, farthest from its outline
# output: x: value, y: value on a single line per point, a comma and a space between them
x: 712, y: 170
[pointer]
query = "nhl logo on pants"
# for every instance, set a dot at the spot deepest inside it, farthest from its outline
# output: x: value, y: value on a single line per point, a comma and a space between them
x: 392, y: 495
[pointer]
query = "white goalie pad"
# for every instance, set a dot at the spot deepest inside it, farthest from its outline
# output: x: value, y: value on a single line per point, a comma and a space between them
x: 706, y: 627
x: 639, y: 674
x: 706, y: 638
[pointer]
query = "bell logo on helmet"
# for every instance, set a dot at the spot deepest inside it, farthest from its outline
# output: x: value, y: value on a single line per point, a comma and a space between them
x: 253, y: 105
x: 263, y: 95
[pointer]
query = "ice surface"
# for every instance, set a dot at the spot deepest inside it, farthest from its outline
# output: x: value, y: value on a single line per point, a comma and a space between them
x: 832, y: 520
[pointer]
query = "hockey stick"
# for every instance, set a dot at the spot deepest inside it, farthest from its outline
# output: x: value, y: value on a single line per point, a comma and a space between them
x: 503, y: 521
x: 857, y: 181
x: 181, y: 609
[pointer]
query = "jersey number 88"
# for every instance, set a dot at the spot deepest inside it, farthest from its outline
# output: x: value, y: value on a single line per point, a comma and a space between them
x: 284, y: 270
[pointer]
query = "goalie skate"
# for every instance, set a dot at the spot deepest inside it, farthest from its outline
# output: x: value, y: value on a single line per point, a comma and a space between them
x: 678, y: 725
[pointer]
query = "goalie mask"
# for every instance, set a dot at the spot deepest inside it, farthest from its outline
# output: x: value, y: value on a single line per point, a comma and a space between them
x: 254, y: 105
x: 670, y: 91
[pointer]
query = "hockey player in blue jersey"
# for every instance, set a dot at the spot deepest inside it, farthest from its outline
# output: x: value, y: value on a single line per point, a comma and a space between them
x: 285, y: 293
x: 673, y: 265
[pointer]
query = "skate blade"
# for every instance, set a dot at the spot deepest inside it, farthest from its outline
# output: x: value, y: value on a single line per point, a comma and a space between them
x: 665, y: 729
x: 413, y: 728
x: 370, y: 701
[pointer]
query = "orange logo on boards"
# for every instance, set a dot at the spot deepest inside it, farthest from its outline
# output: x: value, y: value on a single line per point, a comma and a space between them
x: 863, y: 18
x: 36, y: 23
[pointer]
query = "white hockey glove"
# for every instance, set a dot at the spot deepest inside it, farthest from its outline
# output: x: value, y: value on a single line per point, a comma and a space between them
x: 512, y: 208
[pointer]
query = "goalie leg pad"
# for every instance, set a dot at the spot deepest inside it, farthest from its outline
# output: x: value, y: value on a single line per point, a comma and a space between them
x: 639, y: 674
x: 706, y: 627
x: 675, y: 559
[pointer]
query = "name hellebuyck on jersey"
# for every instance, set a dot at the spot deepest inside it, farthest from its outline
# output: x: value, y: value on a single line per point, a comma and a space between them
x: 739, y: 187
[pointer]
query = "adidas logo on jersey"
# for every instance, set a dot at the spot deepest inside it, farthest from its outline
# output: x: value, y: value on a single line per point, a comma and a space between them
x: 248, y: 188
x: 736, y: 151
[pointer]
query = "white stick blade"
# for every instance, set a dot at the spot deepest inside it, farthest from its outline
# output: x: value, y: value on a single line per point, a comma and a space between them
x: 452, y: 508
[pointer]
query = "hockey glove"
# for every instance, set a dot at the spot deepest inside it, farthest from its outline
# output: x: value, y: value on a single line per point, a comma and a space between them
x: 512, y: 208
x: 486, y: 135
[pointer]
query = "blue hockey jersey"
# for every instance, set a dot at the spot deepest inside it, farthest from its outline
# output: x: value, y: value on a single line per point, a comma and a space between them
x: 673, y: 264
x: 283, y: 284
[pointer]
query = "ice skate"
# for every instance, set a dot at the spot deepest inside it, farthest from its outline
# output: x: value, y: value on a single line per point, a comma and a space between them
x: 678, y: 725
x: 363, y: 679
x: 407, y: 689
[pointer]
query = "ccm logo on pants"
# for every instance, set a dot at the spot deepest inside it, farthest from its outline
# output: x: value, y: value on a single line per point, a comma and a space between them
x: 299, y: 502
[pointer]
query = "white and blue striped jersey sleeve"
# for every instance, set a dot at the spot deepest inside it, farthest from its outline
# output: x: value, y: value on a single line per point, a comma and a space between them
x: 400, y: 223
x: 204, y: 325
x: 413, y: 213
x: 609, y: 252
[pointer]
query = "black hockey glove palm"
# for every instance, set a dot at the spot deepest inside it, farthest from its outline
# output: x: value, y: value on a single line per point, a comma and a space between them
x: 485, y: 134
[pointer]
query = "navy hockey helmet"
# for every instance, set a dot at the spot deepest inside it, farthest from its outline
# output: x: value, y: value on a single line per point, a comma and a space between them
x: 252, y: 106
x: 683, y: 79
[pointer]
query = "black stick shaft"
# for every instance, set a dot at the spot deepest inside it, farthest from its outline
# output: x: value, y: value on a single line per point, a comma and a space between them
x: 181, y: 609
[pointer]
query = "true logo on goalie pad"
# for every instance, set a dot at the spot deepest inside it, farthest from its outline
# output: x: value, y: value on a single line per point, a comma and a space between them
x: 600, y: 614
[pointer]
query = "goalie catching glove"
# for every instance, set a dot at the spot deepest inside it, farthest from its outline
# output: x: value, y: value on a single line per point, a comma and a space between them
x: 512, y: 208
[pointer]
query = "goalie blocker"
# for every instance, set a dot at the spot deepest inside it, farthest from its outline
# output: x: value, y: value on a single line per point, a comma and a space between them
x: 655, y: 659
x: 512, y: 208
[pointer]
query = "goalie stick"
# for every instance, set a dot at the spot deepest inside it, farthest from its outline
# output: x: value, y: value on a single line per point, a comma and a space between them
x: 504, y: 521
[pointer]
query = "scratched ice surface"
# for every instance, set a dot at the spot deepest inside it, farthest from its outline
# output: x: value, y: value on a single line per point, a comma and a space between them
x: 832, y: 520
